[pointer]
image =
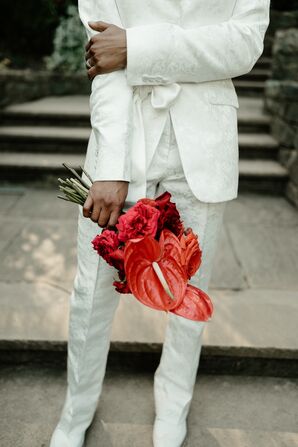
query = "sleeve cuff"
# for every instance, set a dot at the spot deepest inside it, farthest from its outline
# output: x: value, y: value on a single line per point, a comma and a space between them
x: 148, y: 51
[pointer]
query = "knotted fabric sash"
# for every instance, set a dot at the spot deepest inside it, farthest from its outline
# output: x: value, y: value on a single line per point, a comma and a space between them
x: 162, y: 97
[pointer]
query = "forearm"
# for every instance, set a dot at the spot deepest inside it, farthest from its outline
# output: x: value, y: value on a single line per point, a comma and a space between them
x: 165, y: 53
x: 110, y: 111
x: 110, y: 104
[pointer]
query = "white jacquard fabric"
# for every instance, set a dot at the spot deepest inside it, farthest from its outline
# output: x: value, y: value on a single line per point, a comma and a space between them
x: 194, y: 47
x: 94, y: 302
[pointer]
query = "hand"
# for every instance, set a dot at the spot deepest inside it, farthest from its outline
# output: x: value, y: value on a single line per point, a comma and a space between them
x: 105, y: 202
x: 106, y: 51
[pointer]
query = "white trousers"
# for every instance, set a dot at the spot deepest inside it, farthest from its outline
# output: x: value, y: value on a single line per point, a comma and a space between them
x: 94, y: 302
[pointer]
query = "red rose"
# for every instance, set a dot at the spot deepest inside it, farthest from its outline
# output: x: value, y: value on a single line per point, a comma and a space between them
x: 121, y: 286
x: 147, y: 201
x: 170, y: 219
x: 105, y: 243
x: 116, y: 259
x: 162, y: 200
x: 139, y: 221
x: 169, y: 215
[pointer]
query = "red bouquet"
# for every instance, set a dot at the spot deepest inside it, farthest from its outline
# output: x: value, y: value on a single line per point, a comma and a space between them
x: 155, y: 256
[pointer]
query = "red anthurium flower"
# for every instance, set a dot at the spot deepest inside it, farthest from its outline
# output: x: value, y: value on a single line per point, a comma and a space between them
x: 196, y: 305
x: 144, y: 259
x: 171, y: 245
x: 191, y: 253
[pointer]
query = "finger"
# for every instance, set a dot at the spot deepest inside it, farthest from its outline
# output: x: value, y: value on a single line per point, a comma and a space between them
x: 99, y: 26
x: 113, y: 218
x: 88, y: 45
x: 87, y: 207
x: 90, y: 63
x: 95, y: 212
x: 92, y: 72
x: 104, y: 217
x: 88, y: 55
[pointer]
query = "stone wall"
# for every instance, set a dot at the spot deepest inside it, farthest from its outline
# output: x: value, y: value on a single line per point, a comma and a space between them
x: 283, y: 15
x: 24, y: 85
x: 281, y: 101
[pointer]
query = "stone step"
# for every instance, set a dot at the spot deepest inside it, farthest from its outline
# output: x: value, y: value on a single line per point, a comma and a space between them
x: 256, y: 74
x: 257, y: 146
x: 252, y: 117
x: 53, y: 110
x: 44, y: 168
x: 251, y: 120
x: 262, y: 176
x: 138, y: 331
x: 44, y: 138
x: 264, y: 62
x: 50, y: 139
x: 226, y: 411
x: 73, y: 111
x: 249, y: 88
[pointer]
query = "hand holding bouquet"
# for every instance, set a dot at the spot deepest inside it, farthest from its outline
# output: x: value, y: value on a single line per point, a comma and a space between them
x: 154, y: 254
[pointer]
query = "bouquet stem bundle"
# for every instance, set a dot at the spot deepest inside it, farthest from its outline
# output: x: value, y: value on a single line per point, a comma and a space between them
x: 75, y: 189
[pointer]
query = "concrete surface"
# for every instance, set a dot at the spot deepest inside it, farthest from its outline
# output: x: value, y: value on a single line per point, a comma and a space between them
x: 254, y: 286
x: 225, y: 412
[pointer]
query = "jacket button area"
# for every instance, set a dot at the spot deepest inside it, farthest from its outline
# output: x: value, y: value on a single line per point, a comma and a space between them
x: 157, y: 79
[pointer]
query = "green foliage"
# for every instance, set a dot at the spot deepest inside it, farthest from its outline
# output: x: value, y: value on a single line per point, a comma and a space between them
x: 69, y: 44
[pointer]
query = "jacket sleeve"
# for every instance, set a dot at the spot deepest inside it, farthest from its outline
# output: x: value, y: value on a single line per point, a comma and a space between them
x: 164, y: 53
x: 110, y: 103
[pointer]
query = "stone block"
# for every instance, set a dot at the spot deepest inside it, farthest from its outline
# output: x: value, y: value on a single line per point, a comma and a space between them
x: 282, y: 19
x: 24, y: 85
x: 278, y: 89
x: 286, y: 42
x: 43, y: 250
x: 296, y: 141
x: 227, y: 272
x: 294, y: 171
x: 268, y: 254
x: 273, y: 105
x: 260, y: 210
x: 285, y: 55
x: 283, y: 132
x: 286, y: 157
x: 292, y: 193
x: 285, y: 67
x: 290, y: 112
x: 8, y: 201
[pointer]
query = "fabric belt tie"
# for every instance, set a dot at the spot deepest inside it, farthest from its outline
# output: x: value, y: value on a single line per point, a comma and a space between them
x: 162, y: 97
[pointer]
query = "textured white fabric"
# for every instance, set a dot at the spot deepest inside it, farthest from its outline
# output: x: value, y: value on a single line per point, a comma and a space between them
x: 94, y: 302
x: 196, y: 46
x: 192, y: 41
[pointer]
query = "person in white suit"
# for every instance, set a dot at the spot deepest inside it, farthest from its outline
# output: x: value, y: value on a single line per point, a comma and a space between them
x: 164, y: 117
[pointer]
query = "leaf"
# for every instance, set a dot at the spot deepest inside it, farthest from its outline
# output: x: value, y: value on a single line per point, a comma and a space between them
x: 196, y: 305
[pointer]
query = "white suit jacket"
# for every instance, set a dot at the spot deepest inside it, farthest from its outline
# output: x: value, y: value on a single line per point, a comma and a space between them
x: 183, y: 54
